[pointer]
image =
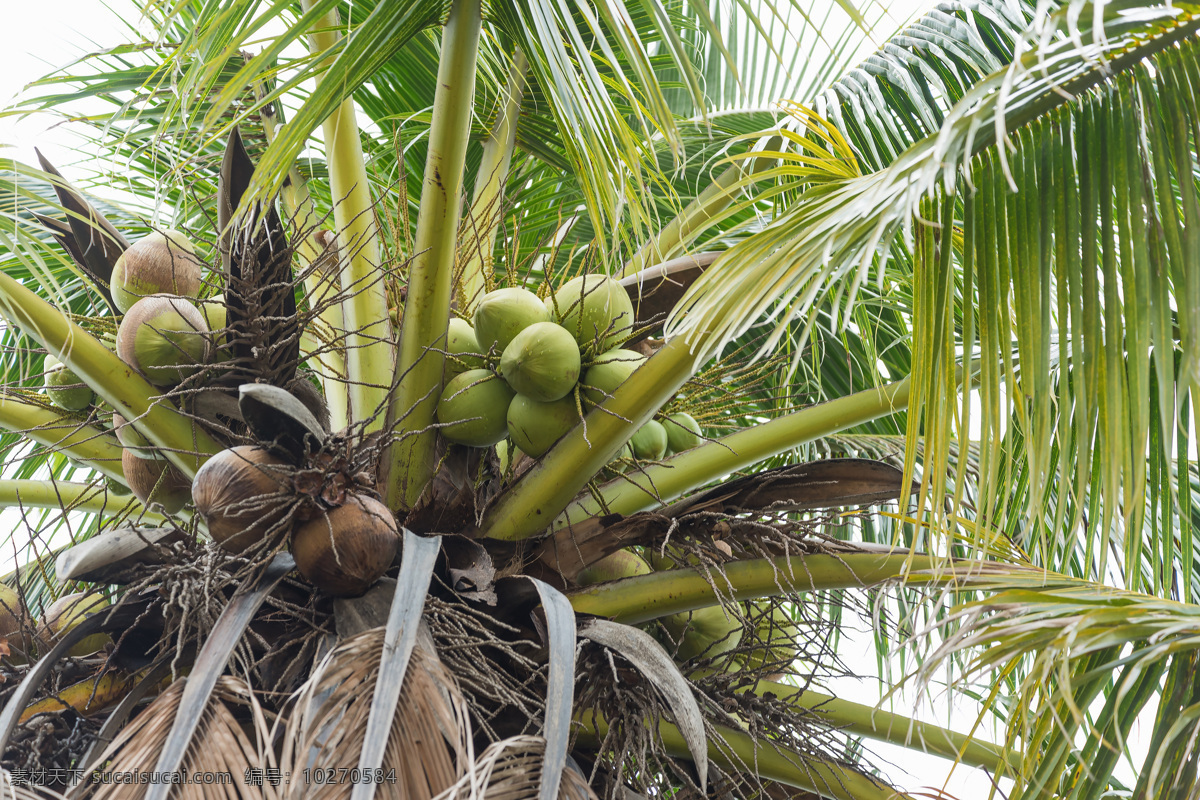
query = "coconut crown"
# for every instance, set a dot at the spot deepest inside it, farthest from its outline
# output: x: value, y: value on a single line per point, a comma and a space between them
x: 164, y: 338
x: 162, y: 262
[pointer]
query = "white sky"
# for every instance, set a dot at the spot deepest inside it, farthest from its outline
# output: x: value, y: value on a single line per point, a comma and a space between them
x: 41, y: 36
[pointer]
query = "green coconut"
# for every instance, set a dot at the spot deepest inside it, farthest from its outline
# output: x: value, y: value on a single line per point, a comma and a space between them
x: 703, y: 633
x: 504, y: 313
x: 474, y: 408
x: 596, y: 310
x: 683, y: 432
x: 131, y: 439
x: 216, y: 319
x: 607, y: 372
x: 66, y: 613
x: 541, y: 362
x: 64, y: 388
x: 462, y: 348
x: 613, y: 567
x: 164, y: 338
x: 13, y: 615
x: 163, y: 262
x: 775, y: 627
x: 535, y: 426
x: 156, y: 480
x: 650, y: 441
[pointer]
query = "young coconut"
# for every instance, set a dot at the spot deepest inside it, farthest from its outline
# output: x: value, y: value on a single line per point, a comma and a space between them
x: 541, y: 362
x: 164, y: 338
x: 650, y: 441
x: 63, y: 615
x: 13, y: 615
x: 683, y: 432
x: 155, y: 480
x: 595, y: 309
x: 216, y: 320
x: 613, y: 567
x: 462, y: 348
x: 504, y: 313
x: 163, y: 262
x: 345, y: 550
x: 535, y: 426
x: 64, y: 387
x: 242, y: 493
x: 474, y: 408
x: 607, y: 372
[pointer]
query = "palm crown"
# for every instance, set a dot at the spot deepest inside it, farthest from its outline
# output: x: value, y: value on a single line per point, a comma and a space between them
x: 347, y: 549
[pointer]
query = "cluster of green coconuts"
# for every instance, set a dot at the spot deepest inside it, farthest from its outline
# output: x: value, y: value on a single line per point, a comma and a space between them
x: 528, y: 368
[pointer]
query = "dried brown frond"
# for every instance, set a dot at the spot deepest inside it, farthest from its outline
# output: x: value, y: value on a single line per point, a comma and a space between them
x: 430, y: 742
x: 13, y: 789
x: 233, y: 737
x: 511, y: 769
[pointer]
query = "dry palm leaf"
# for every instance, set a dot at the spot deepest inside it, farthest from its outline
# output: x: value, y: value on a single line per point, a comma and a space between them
x: 10, y: 789
x: 232, y: 739
x: 511, y: 769
x: 429, y: 744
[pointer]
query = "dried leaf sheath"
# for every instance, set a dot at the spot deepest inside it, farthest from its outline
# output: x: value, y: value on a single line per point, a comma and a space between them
x: 430, y: 740
x: 232, y: 737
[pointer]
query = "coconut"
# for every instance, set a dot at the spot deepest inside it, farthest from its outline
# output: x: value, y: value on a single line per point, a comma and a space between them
x: 703, y: 633
x: 242, y: 493
x: 66, y: 613
x: 607, y: 372
x: 115, y: 487
x: 541, y: 362
x: 595, y: 309
x: 621, y: 564
x: 216, y: 319
x: 163, y: 262
x: 344, y: 551
x: 13, y: 615
x: 504, y: 313
x: 650, y: 441
x: 64, y: 387
x: 474, y: 408
x: 462, y: 348
x: 535, y: 426
x: 155, y: 480
x: 683, y: 432
x: 164, y: 338
x: 133, y: 441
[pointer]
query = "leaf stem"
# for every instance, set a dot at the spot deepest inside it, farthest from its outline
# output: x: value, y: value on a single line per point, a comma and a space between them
x: 409, y: 462
x: 685, y: 471
x: 739, y: 752
x: 92, y: 447
x: 69, y: 496
x: 367, y: 326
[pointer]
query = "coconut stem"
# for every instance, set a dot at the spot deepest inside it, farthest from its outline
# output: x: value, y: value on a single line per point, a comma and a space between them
x: 409, y: 462
x: 17, y: 493
x: 368, y: 344
x: 486, y: 203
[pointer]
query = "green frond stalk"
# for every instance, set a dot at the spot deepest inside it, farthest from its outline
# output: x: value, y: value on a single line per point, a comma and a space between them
x: 529, y: 506
x: 368, y: 331
x: 420, y: 361
x: 69, y: 496
x: 646, y: 597
x: 487, y: 202
x: 739, y: 752
x: 688, y: 470
x: 92, y: 447
x: 329, y: 363
x: 870, y: 722
x: 130, y: 395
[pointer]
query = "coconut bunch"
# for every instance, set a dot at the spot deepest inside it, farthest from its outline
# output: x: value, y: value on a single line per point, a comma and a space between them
x: 164, y: 336
x: 302, y: 488
x: 528, y: 369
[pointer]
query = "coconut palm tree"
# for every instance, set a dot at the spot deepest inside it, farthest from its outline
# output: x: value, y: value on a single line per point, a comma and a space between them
x: 345, y: 567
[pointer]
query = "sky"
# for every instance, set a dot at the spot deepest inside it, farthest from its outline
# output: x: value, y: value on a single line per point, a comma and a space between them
x: 41, y: 36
